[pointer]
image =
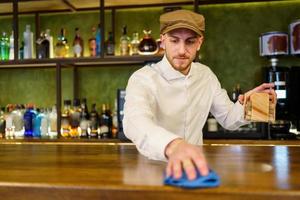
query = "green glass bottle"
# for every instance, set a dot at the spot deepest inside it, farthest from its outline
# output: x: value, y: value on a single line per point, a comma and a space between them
x: 4, y: 46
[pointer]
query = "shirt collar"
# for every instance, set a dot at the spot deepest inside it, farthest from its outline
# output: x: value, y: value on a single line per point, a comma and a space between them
x: 169, y: 73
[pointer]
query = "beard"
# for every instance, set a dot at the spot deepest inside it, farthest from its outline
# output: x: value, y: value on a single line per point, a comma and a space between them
x: 180, y: 63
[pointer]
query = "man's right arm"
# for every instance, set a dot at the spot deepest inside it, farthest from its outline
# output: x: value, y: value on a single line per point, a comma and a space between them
x: 139, y: 119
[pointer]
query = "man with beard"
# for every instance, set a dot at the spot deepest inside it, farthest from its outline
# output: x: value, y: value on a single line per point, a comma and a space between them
x: 166, y: 105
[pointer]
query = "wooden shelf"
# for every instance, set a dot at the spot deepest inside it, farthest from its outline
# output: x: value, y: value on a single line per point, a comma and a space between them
x: 48, y: 6
x: 85, y: 61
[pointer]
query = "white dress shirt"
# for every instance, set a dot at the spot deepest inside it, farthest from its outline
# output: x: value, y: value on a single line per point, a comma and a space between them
x: 162, y: 104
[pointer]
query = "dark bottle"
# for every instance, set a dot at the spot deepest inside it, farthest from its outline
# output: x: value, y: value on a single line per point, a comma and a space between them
x: 94, y: 123
x: 43, y: 47
x: 75, y: 118
x: 92, y: 43
x: 148, y: 45
x: 2, y: 123
x: 105, y: 122
x: 21, y: 51
x: 78, y: 45
x: 110, y: 45
x: 236, y: 92
x: 65, y: 119
x: 84, y: 119
x: 29, y: 117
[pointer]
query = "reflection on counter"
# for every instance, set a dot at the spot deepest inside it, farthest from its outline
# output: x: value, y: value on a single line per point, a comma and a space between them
x: 255, y: 130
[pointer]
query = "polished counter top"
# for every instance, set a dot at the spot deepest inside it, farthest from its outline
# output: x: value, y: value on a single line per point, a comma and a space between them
x: 115, y: 170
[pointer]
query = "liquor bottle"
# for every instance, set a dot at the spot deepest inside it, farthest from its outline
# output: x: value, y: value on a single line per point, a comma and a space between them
x: 98, y: 41
x: 28, y: 43
x: 53, y: 123
x: 11, y: 46
x: 4, y: 47
x: 236, y: 92
x: 114, y: 129
x: 62, y: 47
x: 135, y: 43
x: 9, y: 128
x: 65, y: 119
x: 37, y: 122
x: 148, y: 45
x: 17, y: 117
x: 92, y: 43
x: 50, y: 39
x: 21, y: 51
x: 29, y: 116
x: 93, y: 131
x: 124, y: 43
x: 84, y: 120
x: 43, y: 47
x: 44, y: 115
x: 78, y: 44
x: 110, y: 45
x: 105, y: 122
x: 2, y: 123
x: 75, y: 118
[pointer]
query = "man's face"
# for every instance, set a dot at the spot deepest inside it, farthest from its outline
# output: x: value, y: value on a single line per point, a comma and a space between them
x: 181, y: 46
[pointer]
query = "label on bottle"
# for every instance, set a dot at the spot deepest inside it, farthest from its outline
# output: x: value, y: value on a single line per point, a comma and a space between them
x: 124, y: 47
x: 77, y: 50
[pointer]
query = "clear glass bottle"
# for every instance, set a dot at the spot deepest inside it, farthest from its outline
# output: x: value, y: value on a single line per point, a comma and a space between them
x: 75, y: 118
x: 11, y: 46
x: 135, y: 43
x: 28, y: 43
x: 92, y: 43
x: 17, y: 117
x: 44, y: 123
x: 124, y: 43
x: 110, y: 45
x: 4, y: 47
x: 78, y: 46
x: 43, y: 47
x: 53, y: 123
x: 9, y: 128
x: 148, y: 45
x: 65, y: 119
x: 62, y: 46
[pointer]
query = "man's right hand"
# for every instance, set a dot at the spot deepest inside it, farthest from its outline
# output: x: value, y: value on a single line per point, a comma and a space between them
x: 184, y: 156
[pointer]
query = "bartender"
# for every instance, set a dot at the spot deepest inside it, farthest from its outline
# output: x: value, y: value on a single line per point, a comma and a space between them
x: 167, y: 104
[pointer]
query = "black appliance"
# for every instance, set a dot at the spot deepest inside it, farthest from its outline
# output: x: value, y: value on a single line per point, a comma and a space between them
x: 285, y: 82
x: 294, y: 96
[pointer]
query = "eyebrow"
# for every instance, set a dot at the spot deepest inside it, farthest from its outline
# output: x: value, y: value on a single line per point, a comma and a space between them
x: 192, y: 37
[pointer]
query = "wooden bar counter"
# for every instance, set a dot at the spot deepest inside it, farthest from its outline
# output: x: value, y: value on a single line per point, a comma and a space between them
x: 85, y: 170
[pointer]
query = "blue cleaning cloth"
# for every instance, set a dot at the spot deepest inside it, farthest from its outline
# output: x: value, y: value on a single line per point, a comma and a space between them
x: 211, y: 180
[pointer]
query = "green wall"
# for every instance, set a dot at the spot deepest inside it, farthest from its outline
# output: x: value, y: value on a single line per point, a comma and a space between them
x: 230, y: 49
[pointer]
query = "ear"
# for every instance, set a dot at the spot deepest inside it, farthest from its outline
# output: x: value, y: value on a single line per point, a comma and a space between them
x: 201, y: 39
x: 162, y: 40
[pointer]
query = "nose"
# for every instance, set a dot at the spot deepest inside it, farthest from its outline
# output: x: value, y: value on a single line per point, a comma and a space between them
x: 181, y: 48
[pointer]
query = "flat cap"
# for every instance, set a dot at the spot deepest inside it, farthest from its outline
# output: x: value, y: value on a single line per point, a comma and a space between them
x: 182, y: 19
